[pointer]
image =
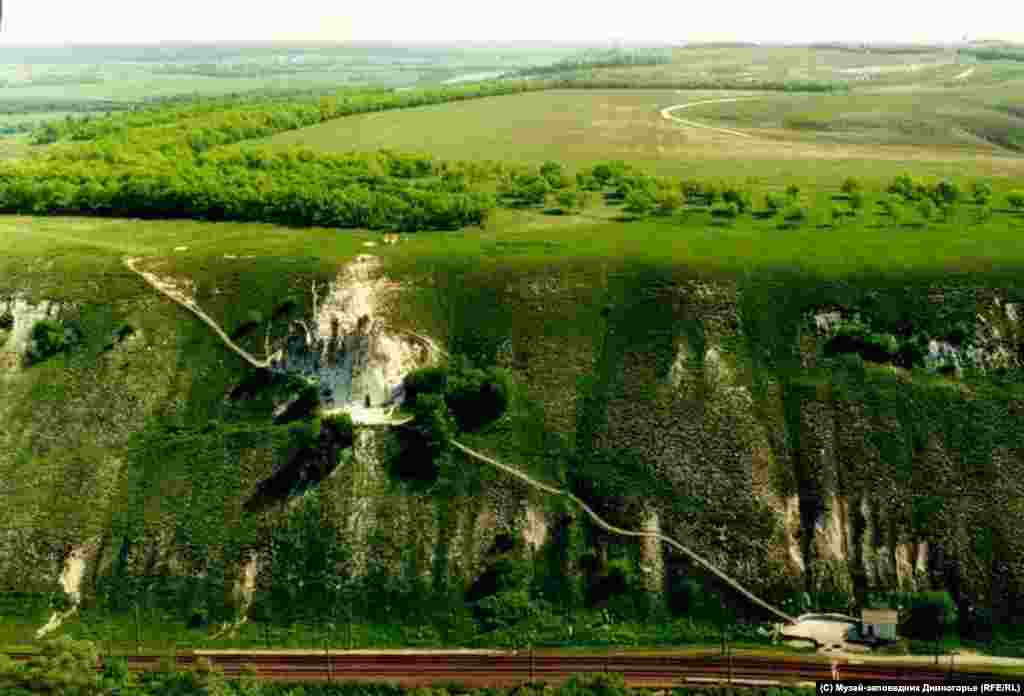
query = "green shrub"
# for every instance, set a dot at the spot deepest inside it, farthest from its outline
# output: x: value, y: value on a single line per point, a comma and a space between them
x: 607, y: 172
x: 1015, y: 199
x: 794, y: 214
x: 570, y: 200
x: 793, y: 191
x: 552, y: 173
x: 433, y: 423
x: 594, y: 685
x: 639, y: 202
x: 533, y: 190
x: 338, y: 428
x: 477, y: 397
x: 6, y: 321
x: 63, y: 666
x: 773, y: 202
x: 725, y: 210
x: 738, y: 197
x: 856, y: 201
x: 981, y: 192
x: 666, y: 202
x: 691, y: 190
x: 931, y: 615
x: 908, y: 188
x: 704, y: 193
x: 505, y: 609
x: 946, y: 192
x: 587, y: 182
x: 850, y: 186
x: 48, y: 338
x: 428, y: 380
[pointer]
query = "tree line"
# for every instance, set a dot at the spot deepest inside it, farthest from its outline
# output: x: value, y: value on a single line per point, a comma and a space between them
x: 591, y: 81
x: 240, y: 119
x: 290, y: 187
x: 611, y: 58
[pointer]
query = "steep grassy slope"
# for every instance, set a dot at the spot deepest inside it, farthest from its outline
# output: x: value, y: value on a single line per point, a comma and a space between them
x: 668, y: 370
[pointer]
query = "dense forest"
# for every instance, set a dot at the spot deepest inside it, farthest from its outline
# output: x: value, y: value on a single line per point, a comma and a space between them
x: 181, y: 160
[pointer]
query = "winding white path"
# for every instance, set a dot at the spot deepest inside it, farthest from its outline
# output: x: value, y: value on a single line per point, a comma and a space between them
x: 173, y: 293
x: 667, y: 114
x: 629, y: 533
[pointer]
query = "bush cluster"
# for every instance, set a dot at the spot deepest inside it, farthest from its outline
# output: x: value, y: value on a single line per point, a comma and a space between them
x: 474, y: 397
x: 856, y: 336
x: 49, y: 337
x: 943, y: 192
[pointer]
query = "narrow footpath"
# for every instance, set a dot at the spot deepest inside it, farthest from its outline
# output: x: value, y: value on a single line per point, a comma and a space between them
x: 629, y: 533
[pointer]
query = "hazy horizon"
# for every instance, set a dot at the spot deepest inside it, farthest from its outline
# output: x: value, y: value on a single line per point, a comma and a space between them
x: 145, y: 22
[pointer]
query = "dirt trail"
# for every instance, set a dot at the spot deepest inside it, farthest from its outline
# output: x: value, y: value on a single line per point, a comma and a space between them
x: 667, y: 113
x: 629, y: 533
x: 174, y: 293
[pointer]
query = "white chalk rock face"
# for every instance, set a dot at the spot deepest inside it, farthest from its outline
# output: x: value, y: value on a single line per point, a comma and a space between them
x: 349, y: 347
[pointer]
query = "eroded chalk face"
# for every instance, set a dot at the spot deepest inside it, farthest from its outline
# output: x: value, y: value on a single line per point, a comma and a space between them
x: 358, y: 360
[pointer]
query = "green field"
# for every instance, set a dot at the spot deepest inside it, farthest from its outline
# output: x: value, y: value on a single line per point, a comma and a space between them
x: 579, y: 127
x: 76, y: 250
x: 860, y: 69
x: 978, y: 119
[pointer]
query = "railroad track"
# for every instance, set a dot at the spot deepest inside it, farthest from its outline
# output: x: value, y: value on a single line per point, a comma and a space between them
x: 509, y: 669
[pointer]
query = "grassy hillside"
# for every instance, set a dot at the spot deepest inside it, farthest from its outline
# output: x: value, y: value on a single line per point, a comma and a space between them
x: 792, y: 382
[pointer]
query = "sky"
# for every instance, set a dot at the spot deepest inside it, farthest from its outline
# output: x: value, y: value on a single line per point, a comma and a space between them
x: 145, y: 21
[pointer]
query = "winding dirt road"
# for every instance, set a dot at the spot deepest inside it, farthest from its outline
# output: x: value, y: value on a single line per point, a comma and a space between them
x: 667, y: 114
